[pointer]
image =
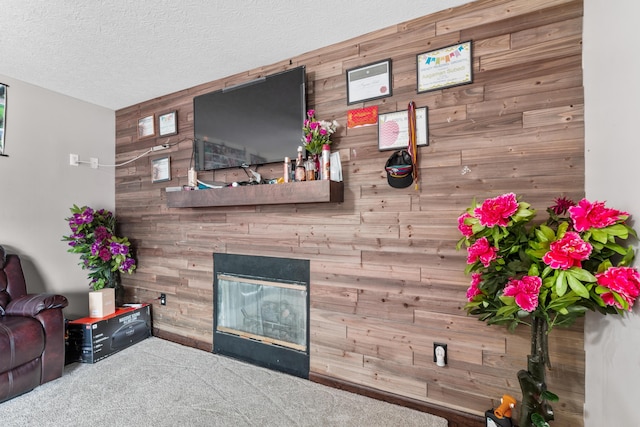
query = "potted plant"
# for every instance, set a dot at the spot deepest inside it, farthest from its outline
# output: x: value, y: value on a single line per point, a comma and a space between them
x: 545, y: 275
x: 101, y: 251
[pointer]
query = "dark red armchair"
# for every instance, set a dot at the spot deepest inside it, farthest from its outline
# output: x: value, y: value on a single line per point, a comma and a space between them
x: 31, y: 332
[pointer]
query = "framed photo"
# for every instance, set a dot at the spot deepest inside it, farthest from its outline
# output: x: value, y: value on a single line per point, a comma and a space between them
x: 168, y: 123
x: 160, y: 169
x: 369, y: 82
x: 146, y: 126
x: 393, y: 129
x: 446, y: 67
x: 3, y: 115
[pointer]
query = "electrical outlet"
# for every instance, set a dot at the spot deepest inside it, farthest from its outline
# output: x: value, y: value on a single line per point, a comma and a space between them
x: 440, y: 354
x: 73, y: 159
x: 163, y: 299
x: 94, y: 162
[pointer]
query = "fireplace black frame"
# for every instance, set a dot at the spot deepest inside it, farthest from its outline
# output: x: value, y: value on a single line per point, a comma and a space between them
x: 290, y: 361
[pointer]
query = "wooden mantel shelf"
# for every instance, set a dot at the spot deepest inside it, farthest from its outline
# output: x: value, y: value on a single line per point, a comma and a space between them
x: 264, y: 194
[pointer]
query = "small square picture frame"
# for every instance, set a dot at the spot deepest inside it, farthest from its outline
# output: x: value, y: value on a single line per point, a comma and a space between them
x: 146, y: 126
x: 168, y: 123
x: 161, y: 169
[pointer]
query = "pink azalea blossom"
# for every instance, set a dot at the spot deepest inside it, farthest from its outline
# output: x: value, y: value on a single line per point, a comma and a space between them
x: 465, y: 229
x: 497, y: 211
x: 483, y: 251
x: 473, y: 290
x: 625, y: 281
x: 525, y: 292
x: 586, y: 215
x: 567, y: 252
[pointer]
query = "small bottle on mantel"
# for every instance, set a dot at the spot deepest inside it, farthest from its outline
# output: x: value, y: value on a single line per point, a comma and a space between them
x: 287, y: 169
x: 326, y: 163
x: 301, y: 171
x: 311, y: 169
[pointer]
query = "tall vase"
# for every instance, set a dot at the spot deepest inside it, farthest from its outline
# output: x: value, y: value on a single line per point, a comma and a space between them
x: 115, y: 282
x: 533, y: 380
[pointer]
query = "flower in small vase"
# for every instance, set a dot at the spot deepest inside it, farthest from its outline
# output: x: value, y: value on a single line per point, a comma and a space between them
x: 317, y: 132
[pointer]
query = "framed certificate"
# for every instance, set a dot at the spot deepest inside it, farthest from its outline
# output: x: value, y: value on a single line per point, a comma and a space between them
x: 393, y: 129
x: 369, y: 82
x: 446, y: 67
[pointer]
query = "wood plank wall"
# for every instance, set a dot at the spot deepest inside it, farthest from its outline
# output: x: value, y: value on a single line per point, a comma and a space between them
x: 386, y: 280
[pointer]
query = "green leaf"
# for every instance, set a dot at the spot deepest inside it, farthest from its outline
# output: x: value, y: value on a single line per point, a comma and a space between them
x: 533, y: 270
x: 582, y: 275
x: 620, y: 300
x: 599, y: 235
x: 496, y: 237
x: 562, y: 229
x: 616, y: 248
x: 628, y: 258
x: 551, y: 397
x: 577, y: 286
x: 538, y: 420
x: 618, y: 230
x: 545, y: 233
x: 468, y: 306
x: 561, y: 284
x: 477, y: 228
x: 565, y: 301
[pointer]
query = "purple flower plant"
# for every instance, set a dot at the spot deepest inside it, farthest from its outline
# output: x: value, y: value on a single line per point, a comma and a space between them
x: 101, y: 251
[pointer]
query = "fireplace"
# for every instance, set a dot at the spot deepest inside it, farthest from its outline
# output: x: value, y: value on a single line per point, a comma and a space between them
x: 261, y: 311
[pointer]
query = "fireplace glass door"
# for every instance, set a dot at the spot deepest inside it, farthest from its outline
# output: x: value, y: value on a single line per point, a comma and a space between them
x: 267, y: 311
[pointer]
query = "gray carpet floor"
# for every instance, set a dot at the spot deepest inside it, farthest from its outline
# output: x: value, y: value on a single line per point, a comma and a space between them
x: 161, y: 383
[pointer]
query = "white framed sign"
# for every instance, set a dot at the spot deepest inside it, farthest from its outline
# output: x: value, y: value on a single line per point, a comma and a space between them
x: 369, y: 82
x: 445, y: 67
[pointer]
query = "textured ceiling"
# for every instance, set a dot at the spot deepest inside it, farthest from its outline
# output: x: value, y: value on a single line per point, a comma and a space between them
x: 116, y: 53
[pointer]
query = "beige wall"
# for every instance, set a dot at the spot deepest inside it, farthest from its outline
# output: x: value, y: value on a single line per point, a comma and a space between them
x: 39, y: 186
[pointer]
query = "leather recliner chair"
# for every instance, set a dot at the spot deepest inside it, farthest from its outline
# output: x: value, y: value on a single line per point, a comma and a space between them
x: 32, y: 332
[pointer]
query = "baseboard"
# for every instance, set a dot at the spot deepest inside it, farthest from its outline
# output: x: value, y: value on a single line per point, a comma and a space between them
x: 179, y: 339
x: 455, y: 418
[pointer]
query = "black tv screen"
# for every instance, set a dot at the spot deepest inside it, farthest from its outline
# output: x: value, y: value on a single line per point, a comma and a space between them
x: 250, y: 124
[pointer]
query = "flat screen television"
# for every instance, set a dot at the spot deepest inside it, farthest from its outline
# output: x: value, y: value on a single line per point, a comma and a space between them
x: 250, y: 124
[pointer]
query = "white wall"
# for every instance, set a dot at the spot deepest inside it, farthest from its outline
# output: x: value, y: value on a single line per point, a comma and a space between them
x: 38, y: 186
x: 612, y: 114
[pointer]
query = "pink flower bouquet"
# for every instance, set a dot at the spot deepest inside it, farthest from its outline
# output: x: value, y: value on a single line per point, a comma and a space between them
x: 545, y: 275
x: 574, y: 262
